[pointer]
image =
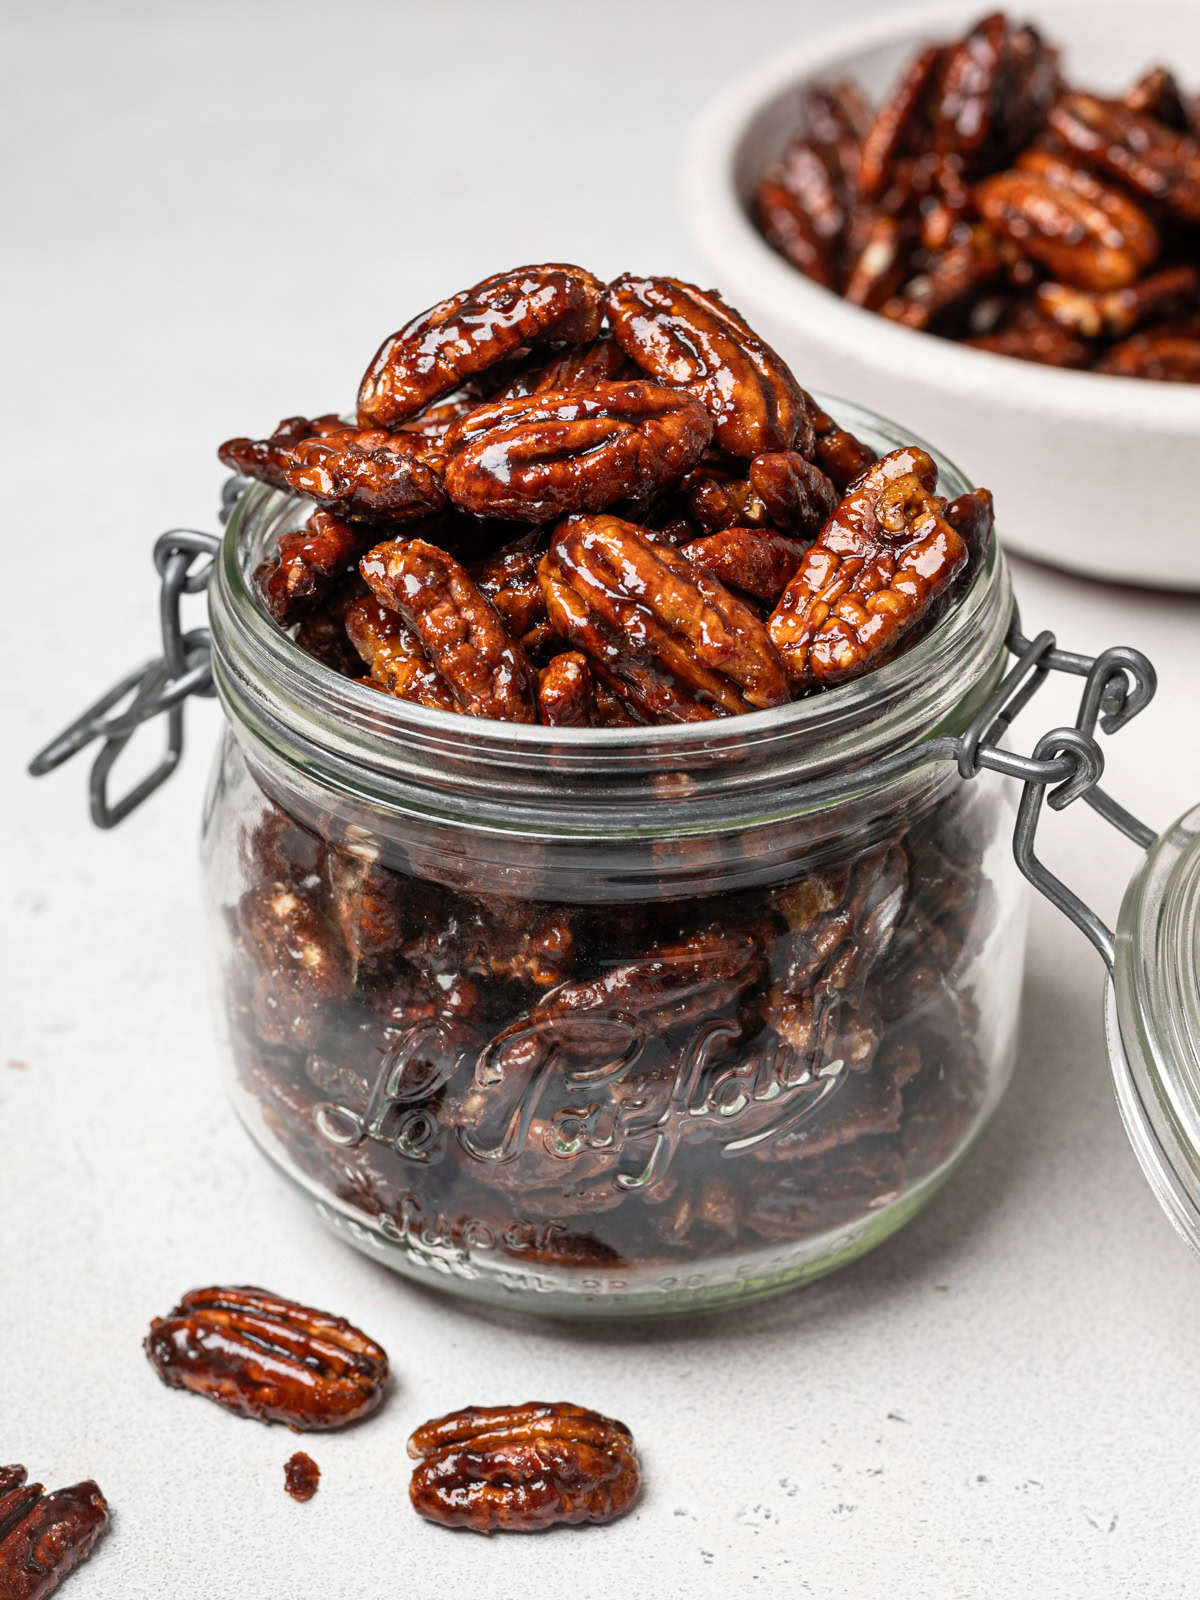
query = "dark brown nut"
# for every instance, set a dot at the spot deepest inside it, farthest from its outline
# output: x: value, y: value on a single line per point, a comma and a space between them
x: 471, y: 331
x: 840, y: 455
x: 460, y: 631
x: 266, y: 459
x: 796, y: 494
x: 1168, y: 355
x: 955, y: 278
x: 300, y: 967
x: 973, y: 514
x: 322, y: 632
x: 366, y: 900
x: 396, y: 655
x: 689, y: 338
x: 509, y: 579
x: 1154, y: 161
x: 367, y: 473
x: 877, y: 262
x: 718, y: 496
x: 1166, y: 294
x: 265, y: 1357
x: 1086, y: 232
x: 838, y: 117
x: 301, y: 1476
x: 1157, y: 94
x: 755, y: 560
x: 583, y: 367
x: 512, y: 940
x: 994, y: 90
x: 1028, y: 335
x: 901, y: 124
x: 565, y: 698
x: 540, y: 456
x: 679, y: 643
x: 881, y: 560
x: 307, y: 564
x: 517, y: 1469
x: 431, y: 425
x: 787, y: 227
x: 43, y: 1536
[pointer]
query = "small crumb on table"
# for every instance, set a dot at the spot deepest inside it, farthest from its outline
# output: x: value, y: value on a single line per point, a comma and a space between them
x: 302, y: 1476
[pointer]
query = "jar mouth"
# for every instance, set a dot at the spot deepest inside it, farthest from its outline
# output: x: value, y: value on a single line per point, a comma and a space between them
x: 304, y: 714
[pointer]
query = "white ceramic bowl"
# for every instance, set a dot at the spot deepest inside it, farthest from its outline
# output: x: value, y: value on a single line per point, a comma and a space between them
x: 1091, y: 473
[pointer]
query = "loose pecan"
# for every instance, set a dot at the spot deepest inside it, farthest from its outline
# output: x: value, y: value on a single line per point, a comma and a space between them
x: 1027, y: 334
x: 460, y: 631
x: 1154, y: 161
x: 787, y: 227
x: 539, y: 456
x: 301, y: 1476
x: 1167, y: 354
x: 459, y: 337
x: 877, y: 260
x: 266, y: 459
x: 690, y: 338
x: 565, y: 697
x: 901, y: 124
x: 43, y: 1536
x: 300, y: 968
x: 1085, y: 231
x: 306, y: 565
x: 367, y: 473
x: 517, y: 1469
x: 883, y: 557
x: 1168, y: 293
x: 993, y: 92
x: 396, y: 655
x: 678, y: 642
x: 755, y: 560
x: 796, y: 494
x: 955, y: 277
x: 262, y: 1356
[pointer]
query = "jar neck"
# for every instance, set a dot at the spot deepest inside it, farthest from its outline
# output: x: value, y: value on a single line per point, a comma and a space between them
x: 307, y: 726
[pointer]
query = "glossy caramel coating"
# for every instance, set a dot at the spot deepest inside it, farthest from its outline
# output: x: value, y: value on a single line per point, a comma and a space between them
x: 1152, y: 160
x: 394, y: 653
x: 43, y: 1537
x: 301, y: 1476
x: 565, y: 694
x: 754, y: 560
x: 307, y: 564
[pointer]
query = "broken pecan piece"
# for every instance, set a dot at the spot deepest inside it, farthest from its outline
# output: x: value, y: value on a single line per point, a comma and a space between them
x: 539, y: 456
x: 460, y: 631
x: 678, y: 642
x: 517, y: 1469
x: 471, y: 331
x: 43, y: 1536
x: 262, y: 1356
x: 301, y: 1476
x: 565, y: 697
x: 306, y: 564
x: 1154, y: 161
x: 883, y: 557
x: 690, y: 338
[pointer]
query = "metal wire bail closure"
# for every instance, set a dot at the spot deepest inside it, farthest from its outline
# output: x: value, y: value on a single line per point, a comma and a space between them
x: 1066, y: 764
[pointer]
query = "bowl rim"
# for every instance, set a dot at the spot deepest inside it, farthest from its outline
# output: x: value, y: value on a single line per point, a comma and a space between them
x: 728, y: 240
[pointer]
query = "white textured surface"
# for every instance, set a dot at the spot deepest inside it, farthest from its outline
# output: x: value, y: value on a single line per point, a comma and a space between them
x: 219, y: 210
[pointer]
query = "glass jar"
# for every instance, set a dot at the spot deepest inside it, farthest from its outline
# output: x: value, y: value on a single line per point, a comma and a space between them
x: 617, y: 1021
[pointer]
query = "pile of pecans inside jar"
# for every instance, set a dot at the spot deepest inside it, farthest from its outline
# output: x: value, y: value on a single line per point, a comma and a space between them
x: 536, y: 517
x: 988, y: 201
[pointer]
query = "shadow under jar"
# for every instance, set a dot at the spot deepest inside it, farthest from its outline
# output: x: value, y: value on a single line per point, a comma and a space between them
x: 608, y: 1021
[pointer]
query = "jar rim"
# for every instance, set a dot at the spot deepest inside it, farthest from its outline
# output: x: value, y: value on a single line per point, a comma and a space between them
x: 343, y: 733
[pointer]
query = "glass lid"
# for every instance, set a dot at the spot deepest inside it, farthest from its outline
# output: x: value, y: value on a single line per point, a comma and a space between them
x: 1152, y: 1016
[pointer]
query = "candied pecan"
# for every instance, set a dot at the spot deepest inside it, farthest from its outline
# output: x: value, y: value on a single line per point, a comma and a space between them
x: 541, y: 455
x: 508, y: 577
x: 433, y: 423
x: 582, y: 367
x: 306, y: 564
x: 266, y: 459
x: 1154, y: 161
x: 994, y: 90
x: 679, y: 643
x: 460, y: 631
x: 796, y: 494
x: 471, y: 331
x: 301, y: 1476
x: 1167, y: 354
x: 498, y: 938
x: 367, y: 473
x: 718, y: 497
x: 1167, y: 293
x: 877, y: 263
x: 365, y: 899
x: 565, y: 698
x: 1157, y: 94
x: 883, y: 557
x: 43, y: 1536
x: 788, y: 228
x: 956, y: 276
x: 901, y: 123
x: 838, y: 117
x: 300, y: 970
x: 322, y: 632
x: 1086, y: 232
x: 265, y: 1357
x: 396, y: 655
x: 839, y: 454
x: 755, y: 560
x: 517, y: 1469
x: 1028, y: 335
x: 689, y: 338
x: 973, y: 514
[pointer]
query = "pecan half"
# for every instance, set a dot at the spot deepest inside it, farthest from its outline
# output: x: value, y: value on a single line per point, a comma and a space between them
x: 266, y: 459
x: 517, y: 1469
x: 1168, y: 355
x: 901, y: 124
x: 883, y: 557
x: 1085, y: 231
x: 366, y: 901
x: 795, y: 493
x: 509, y: 579
x: 877, y: 260
x: 396, y: 656
x: 679, y: 644
x: 301, y: 970
x: 1157, y: 94
x: 755, y: 560
x: 471, y: 331
x: 787, y: 226
x: 367, y: 473
x: 306, y: 564
x: 1154, y: 161
x: 265, y: 1357
x: 690, y: 338
x: 840, y: 454
x: 1168, y: 293
x: 994, y: 90
x: 460, y: 631
x: 1027, y: 334
x: 43, y: 1536
x: 565, y: 696
x: 539, y: 456
x: 956, y: 276
x: 582, y: 367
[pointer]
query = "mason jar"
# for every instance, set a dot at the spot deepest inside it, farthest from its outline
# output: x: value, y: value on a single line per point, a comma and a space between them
x: 610, y: 1021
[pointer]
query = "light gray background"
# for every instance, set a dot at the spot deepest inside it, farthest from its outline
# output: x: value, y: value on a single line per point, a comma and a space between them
x: 214, y: 214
